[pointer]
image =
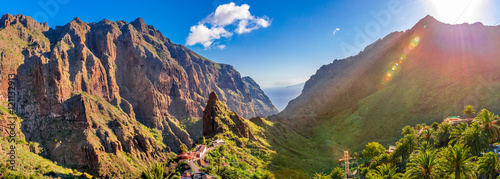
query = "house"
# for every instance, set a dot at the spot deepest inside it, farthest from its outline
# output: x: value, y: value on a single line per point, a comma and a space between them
x: 202, y: 176
x: 456, y: 120
x: 203, y: 163
x: 207, y: 177
x: 186, y: 156
x: 186, y: 175
x: 218, y: 142
x: 392, y: 148
x: 201, y: 150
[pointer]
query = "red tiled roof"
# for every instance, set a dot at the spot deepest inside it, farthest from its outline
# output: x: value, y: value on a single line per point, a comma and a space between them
x: 186, y: 174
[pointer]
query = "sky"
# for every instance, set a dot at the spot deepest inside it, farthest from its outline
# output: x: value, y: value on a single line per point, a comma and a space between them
x: 277, y: 43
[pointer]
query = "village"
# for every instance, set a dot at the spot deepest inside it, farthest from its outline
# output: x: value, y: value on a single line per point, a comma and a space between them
x: 346, y: 160
x: 195, y: 159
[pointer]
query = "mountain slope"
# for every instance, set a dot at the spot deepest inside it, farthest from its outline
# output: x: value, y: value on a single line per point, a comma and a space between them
x: 93, y: 93
x: 418, y: 76
x: 261, y: 145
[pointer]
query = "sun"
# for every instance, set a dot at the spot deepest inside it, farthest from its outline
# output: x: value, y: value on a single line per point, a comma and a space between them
x: 458, y: 11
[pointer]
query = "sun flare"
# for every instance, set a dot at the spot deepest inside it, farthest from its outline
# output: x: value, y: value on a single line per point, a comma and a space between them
x: 458, y: 11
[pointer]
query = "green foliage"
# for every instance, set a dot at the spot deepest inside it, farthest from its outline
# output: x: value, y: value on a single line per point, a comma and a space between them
x: 475, y: 138
x: 408, y: 130
x: 337, y: 173
x: 373, y: 149
x: 469, y: 110
x: 406, y: 146
x: 443, y: 134
x: 435, y: 126
x: 457, y: 161
x: 183, y: 149
x: 489, y: 165
x: 424, y: 164
x: 486, y: 119
x: 321, y: 176
x: 156, y: 171
x: 386, y: 171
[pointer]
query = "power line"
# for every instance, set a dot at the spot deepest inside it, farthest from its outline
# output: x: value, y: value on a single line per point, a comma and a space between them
x: 468, y: 5
x: 496, y: 22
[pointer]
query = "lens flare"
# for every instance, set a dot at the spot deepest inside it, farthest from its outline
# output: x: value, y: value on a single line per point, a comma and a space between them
x: 393, y: 70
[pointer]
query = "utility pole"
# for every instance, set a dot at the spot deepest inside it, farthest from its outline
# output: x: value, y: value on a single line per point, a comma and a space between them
x: 346, y: 159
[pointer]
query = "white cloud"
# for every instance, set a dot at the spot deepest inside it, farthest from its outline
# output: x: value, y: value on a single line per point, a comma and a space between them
x: 221, y: 46
x: 335, y: 31
x: 227, y: 14
x: 203, y: 35
x: 225, y: 17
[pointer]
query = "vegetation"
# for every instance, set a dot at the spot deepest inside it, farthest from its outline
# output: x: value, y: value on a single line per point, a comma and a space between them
x: 439, y: 151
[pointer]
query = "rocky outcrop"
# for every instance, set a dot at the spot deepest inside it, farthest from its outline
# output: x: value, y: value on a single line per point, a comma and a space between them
x: 141, y: 76
x: 218, y: 119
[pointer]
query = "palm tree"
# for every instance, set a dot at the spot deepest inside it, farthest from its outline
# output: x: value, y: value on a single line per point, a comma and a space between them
x: 457, y: 161
x: 469, y: 110
x: 320, y: 176
x: 456, y: 133
x: 488, y: 165
x: 486, y: 119
x: 475, y: 138
x: 425, y: 146
x: 156, y: 171
x: 385, y: 171
x: 406, y: 146
x: 443, y: 133
x: 407, y: 130
x: 337, y: 173
x: 423, y: 165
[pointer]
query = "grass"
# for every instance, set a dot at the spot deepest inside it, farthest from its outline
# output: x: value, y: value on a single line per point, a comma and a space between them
x: 29, y: 164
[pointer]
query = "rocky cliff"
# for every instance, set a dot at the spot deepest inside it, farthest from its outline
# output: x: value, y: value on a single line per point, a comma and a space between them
x: 92, y: 93
x: 218, y: 119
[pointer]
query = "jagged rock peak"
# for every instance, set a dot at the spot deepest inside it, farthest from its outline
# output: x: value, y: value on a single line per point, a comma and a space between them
x: 218, y: 119
x: 212, y: 99
x: 26, y: 21
x: 77, y: 20
x: 140, y: 25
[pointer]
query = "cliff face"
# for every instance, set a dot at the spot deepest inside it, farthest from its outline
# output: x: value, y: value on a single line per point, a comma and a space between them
x: 218, y: 119
x: 102, y: 81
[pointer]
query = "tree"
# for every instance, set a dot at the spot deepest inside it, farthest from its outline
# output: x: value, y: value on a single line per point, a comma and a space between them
x: 405, y: 146
x: 456, y: 133
x: 488, y: 165
x: 486, y: 119
x: 156, y: 171
x: 183, y: 149
x: 424, y: 164
x: 435, y: 126
x: 203, y: 141
x: 407, y: 130
x: 469, y: 110
x: 373, y: 149
x: 337, y: 173
x: 385, y: 171
x: 457, y: 161
x: 474, y: 138
x: 320, y: 176
x: 443, y: 134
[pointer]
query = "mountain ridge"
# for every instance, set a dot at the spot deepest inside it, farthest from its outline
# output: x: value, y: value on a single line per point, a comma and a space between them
x: 420, y: 75
x: 133, y: 85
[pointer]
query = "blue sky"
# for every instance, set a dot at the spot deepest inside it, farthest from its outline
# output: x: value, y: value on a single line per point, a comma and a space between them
x: 297, y: 41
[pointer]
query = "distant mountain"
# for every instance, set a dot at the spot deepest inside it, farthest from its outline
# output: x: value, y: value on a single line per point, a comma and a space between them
x: 418, y: 76
x: 282, y: 95
x: 108, y: 96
